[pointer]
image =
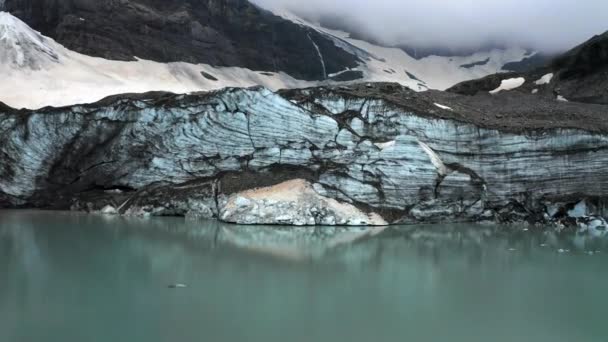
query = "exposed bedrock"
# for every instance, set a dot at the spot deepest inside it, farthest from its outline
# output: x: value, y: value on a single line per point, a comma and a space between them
x: 316, y: 156
x: 579, y: 75
x: 233, y: 33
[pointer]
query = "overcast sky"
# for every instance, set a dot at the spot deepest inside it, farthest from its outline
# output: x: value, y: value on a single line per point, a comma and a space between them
x: 548, y: 25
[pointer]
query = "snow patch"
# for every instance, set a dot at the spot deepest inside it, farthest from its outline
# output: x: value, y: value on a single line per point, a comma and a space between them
x: 546, y: 79
x: 442, y: 106
x: 509, y: 84
x: 320, y: 57
x: 534, y: 91
x: 339, y: 72
x: 561, y: 98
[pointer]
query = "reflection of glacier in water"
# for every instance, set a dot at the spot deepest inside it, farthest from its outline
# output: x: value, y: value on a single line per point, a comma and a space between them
x: 84, y: 273
x: 21, y: 231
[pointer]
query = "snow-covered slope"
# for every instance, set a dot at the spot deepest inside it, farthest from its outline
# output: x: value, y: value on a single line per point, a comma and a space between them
x: 37, y: 71
x: 384, y: 64
x: 21, y: 47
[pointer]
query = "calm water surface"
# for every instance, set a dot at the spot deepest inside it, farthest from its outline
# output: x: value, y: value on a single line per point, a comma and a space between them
x: 75, y: 278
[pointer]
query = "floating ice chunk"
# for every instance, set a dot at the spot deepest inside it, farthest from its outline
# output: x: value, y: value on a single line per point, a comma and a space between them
x: 534, y: 91
x: 509, y: 84
x: 579, y: 210
x: 442, y: 106
x: 545, y: 79
x: 109, y: 210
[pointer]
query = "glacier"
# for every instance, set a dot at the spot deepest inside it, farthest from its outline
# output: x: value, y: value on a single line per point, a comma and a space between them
x: 380, y: 153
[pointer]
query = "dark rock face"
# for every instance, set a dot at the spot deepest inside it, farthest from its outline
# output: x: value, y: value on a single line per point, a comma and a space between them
x: 412, y: 76
x: 583, y: 72
x: 585, y: 59
x: 579, y: 75
x: 474, y: 64
x: 423, y: 52
x: 531, y: 63
x: 216, y: 32
x: 208, y: 76
x: 484, y: 84
x: 376, y: 152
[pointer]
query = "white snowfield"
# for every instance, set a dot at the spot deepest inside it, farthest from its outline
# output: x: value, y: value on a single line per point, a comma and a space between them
x: 509, y: 84
x: 546, y: 79
x: 36, y: 71
x: 434, y: 72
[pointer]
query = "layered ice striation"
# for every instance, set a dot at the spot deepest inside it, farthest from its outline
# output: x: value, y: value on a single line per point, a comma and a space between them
x: 203, y: 154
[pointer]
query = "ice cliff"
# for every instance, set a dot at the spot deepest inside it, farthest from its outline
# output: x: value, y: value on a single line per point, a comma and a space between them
x: 363, y: 154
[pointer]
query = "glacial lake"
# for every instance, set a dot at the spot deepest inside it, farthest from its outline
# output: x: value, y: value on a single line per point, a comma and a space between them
x: 68, y: 277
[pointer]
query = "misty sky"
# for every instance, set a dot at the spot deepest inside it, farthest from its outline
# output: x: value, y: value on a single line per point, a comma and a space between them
x: 548, y: 25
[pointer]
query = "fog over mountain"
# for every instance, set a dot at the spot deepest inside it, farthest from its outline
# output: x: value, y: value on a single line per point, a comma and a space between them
x: 546, y: 25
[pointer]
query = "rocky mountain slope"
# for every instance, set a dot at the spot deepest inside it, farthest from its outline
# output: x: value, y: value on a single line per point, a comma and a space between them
x: 60, y: 75
x: 216, y: 32
x: 39, y: 72
x: 361, y: 154
x: 579, y: 75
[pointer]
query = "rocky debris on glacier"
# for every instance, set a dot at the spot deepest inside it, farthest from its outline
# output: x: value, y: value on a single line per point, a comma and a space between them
x: 595, y: 226
x: 294, y: 202
x: 582, y: 216
x: 359, y: 154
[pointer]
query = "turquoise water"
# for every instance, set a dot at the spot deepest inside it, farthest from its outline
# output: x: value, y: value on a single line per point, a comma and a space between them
x: 73, y: 278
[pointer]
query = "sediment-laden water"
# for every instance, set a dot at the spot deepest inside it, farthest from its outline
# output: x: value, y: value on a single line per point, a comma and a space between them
x: 69, y: 277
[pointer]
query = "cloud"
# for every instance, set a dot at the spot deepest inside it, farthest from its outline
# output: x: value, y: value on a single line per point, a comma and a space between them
x: 547, y: 25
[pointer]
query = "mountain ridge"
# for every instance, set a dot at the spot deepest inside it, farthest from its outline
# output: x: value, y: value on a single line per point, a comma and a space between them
x: 73, y: 78
x: 226, y: 33
x: 578, y: 75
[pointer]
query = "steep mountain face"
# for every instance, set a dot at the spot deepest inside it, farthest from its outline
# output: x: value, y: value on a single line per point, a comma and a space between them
x: 340, y: 23
x: 21, y: 47
x: 215, y: 32
x: 579, y: 75
x: 361, y: 154
x: 38, y: 72
x: 30, y: 61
